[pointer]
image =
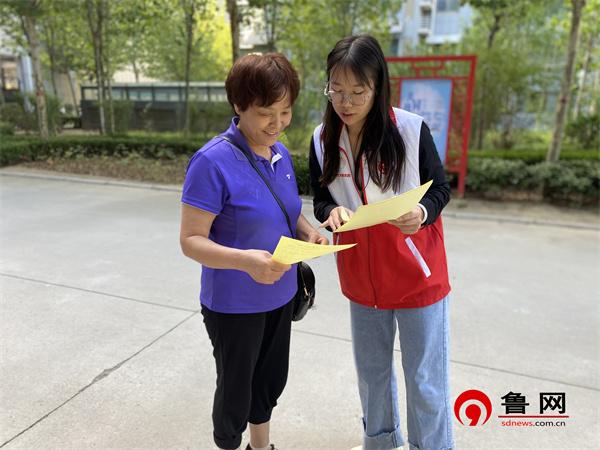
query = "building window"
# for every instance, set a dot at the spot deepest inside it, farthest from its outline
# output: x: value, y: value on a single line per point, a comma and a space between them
x: 166, y: 94
x: 140, y: 94
x: 217, y: 94
x: 426, y: 20
x: 447, y: 5
x: 10, y: 81
x: 198, y: 94
x: 118, y: 94
x: 90, y: 93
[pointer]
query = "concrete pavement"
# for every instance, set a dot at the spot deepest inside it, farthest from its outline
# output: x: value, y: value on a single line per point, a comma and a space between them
x: 102, y: 344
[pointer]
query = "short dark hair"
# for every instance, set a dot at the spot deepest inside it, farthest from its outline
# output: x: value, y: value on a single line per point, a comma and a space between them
x: 261, y: 79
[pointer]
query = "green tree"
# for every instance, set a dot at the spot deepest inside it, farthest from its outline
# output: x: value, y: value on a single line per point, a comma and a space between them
x: 308, y: 30
x: 565, y: 90
x: 96, y: 16
x: 28, y: 13
x: 164, y: 57
x: 590, y: 37
x: 270, y: 11
x: 68, y: 50
x: 505, y: 36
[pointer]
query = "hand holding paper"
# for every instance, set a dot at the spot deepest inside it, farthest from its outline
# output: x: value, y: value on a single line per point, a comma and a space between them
x: 290, y: 251
x: 381, y: 212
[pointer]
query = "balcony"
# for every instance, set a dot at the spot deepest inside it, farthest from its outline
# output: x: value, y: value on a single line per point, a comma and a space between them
x: 425, y: 24
x: 426, y: 5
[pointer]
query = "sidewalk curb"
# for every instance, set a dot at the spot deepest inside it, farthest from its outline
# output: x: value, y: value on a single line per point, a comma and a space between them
x: 96, y: 181
x: 522, y: 221
x: 305, y: 199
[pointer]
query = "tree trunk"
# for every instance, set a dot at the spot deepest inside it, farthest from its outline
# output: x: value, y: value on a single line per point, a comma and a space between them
x: 481, y: 122
x: 189, y: 9
x: 73, y: 95
x: 271, y: 11
x: 595, y: 93
x: 234, y: 24
x: 565, y: 91
x: 40, y: 95
x: 136, y: 72
x: 51, y: 50
x: 586, y: 68
x: 107, y: 75
x: 94, y: 15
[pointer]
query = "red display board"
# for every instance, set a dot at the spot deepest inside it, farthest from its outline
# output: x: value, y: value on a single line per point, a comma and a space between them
x: 440, y: 88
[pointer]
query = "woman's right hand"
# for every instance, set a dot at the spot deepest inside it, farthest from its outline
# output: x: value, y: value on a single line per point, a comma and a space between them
x: 262, y: 268
x: 337, y: 217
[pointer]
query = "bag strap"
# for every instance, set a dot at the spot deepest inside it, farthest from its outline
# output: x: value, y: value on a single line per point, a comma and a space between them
x: 279, y: 202
x: 255, y: 167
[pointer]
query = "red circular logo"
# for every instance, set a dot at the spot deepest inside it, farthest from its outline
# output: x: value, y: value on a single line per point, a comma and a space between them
x: 473, y: 407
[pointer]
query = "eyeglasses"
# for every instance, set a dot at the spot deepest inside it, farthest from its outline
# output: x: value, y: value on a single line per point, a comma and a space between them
x: 339, y: 98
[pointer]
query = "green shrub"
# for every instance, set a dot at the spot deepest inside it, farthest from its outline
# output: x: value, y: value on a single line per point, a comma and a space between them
x: 6, y: 128
x: 123, y: 111
x: 15, y: 114
x: 533, y: 156
x: 52, y: 112
x: 297, y: 139
x: 573, y: 181
x: 576, y: 181
x: 518, y: 139
x: 302, y: 173
x: 585, y: 131
x: 14, y: 151
x: 494, y: 175
x: 209, y: 117
x: 70, y: 147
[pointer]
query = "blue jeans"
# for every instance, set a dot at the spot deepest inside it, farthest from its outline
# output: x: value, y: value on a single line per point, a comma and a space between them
x: 424, y: 347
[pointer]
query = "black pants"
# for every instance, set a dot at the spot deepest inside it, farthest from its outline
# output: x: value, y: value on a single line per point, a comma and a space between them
x: 252, y: 356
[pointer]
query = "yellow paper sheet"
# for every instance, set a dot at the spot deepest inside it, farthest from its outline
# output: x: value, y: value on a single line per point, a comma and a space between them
x: 290, y: 251
x: 381, y: 212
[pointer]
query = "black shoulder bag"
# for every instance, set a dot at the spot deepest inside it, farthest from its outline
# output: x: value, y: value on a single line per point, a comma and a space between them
x: 305, y: 295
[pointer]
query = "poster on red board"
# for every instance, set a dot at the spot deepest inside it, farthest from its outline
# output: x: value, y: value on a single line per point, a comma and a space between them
x: 431, y: 99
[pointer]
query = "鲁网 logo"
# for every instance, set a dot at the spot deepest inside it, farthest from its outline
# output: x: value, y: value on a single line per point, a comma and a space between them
x: 473, y: 408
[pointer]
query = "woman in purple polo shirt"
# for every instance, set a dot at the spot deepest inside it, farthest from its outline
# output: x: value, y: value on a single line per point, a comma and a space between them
x: 231, y: 224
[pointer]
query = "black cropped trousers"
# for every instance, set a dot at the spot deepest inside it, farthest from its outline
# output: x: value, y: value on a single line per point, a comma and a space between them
x: 251, y: 352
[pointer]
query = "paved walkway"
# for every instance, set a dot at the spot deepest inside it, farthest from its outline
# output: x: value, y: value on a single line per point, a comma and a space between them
x: 102, y: 345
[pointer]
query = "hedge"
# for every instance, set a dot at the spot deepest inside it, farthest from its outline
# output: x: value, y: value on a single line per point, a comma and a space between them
x: 13, y: 151
x: 571, y: 181
x: 568, y: 180
x: 534, y: 156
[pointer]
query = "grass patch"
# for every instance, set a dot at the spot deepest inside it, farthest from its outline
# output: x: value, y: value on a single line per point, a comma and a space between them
x: 132, y: 167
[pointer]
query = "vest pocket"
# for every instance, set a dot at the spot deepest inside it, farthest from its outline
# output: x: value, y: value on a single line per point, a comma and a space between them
x: 418, y: 257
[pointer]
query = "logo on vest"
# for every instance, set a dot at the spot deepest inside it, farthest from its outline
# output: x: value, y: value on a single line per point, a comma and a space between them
x: 289, y: 177
x: 344, y: 175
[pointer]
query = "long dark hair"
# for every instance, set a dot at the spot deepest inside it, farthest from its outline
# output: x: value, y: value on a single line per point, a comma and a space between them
x: 381, y: 144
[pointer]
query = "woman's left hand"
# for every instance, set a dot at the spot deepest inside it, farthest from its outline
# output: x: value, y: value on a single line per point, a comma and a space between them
x: 410, y: 222
x: 314, y: 237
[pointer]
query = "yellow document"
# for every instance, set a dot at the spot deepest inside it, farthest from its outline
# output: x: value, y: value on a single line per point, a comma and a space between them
x: 381, y: 212
x: 290, y: 251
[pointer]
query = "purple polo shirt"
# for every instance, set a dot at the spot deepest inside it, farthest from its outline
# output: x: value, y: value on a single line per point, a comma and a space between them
x: 220, y: 180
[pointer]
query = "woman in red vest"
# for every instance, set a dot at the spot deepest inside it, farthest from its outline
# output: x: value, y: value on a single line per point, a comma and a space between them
x: 396, y: 277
